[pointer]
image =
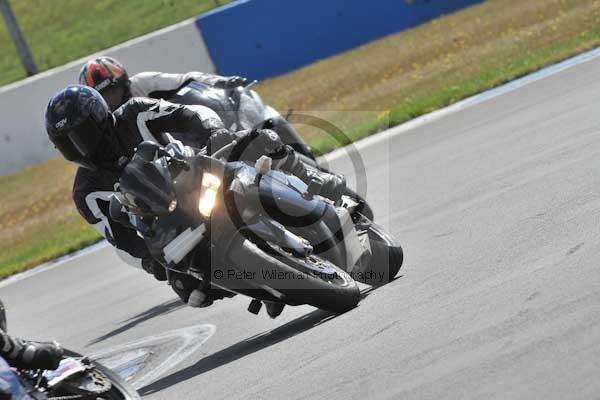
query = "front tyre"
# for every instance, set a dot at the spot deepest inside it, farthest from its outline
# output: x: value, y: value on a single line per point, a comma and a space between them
x: 332, y: 289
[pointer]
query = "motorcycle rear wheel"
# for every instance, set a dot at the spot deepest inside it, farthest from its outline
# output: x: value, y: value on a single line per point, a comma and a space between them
x: 386, y: 259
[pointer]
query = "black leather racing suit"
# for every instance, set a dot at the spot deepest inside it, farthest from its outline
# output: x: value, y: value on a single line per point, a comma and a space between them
x: 142, y: 119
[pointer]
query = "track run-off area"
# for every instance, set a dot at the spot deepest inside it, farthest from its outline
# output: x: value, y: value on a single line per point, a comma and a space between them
x: 497, y: 205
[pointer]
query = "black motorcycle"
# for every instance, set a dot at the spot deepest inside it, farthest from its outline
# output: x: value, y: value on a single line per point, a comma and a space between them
x: 76, y: 378
x: 251, y: 230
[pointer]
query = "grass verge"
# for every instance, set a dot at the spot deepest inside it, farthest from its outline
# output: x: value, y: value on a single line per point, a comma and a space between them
x: 59, y: 31
x: 396, y: 79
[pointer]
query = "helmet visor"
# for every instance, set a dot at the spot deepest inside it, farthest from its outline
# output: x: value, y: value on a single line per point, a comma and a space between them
x: 80, y: 143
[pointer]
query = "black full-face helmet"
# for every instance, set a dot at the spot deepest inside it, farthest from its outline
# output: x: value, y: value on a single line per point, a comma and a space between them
x: 79, y: 124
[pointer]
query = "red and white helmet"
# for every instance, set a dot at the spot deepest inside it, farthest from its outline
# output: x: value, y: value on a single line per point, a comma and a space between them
x: 107, y: 76
x: 103, y: 73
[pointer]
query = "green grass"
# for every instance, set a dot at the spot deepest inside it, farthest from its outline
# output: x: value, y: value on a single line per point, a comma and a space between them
x: 491, y: 76
x: 59, y: 31
x: 405, y: 75
x: 65, y: 235
x: 37, y: 219
x: 381, y: 84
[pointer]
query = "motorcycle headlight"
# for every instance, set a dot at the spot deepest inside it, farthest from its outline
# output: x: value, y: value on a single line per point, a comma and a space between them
x: 208, y: 193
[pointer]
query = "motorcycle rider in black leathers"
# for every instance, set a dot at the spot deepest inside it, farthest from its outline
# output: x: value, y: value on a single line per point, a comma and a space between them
x: 85, y: 131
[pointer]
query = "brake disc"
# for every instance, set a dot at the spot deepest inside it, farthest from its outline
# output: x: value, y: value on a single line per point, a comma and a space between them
x: 91, y: 385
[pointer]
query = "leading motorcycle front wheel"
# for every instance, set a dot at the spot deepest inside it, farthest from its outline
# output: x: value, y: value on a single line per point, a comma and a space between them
x: 301, y: 280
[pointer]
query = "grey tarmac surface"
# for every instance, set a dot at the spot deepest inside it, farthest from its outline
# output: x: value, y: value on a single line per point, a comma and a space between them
x: 498, y: 209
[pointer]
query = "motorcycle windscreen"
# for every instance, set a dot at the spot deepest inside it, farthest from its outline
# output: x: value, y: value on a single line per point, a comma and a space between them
x: 147, y: 188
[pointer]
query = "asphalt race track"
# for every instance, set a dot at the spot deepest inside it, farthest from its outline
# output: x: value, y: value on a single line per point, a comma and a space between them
x: 498, y: 209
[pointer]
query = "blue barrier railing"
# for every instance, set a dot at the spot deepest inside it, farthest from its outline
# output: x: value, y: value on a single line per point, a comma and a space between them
x: 263, y: 38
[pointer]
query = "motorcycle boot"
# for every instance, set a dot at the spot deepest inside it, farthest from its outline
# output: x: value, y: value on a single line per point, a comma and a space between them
x: 274, y: 310
x: 332, y: 185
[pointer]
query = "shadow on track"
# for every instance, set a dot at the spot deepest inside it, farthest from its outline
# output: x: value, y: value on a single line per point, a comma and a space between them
x: 364, y: 293
x: 164, y: 308
x: 241, y: 349
x: 248, y: 346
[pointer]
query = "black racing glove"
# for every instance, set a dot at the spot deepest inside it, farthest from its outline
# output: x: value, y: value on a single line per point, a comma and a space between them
x: 219, y: 140
x: 231, y: 82
x: 35, y: 355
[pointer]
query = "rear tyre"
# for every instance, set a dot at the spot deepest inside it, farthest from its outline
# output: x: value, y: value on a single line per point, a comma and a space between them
x: 387, y: 257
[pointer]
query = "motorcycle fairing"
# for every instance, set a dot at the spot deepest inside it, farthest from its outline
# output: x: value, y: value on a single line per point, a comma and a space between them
x: 67, y: 368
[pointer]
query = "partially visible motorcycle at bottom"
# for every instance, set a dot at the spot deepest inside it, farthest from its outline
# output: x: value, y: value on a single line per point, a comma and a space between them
x: 76, y: 378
